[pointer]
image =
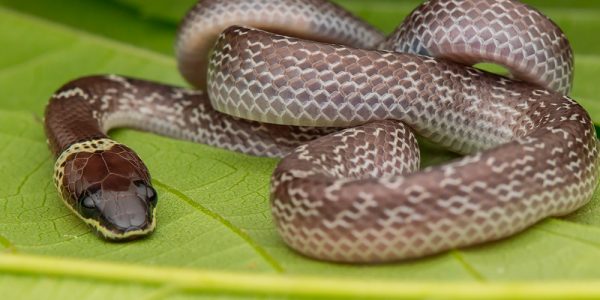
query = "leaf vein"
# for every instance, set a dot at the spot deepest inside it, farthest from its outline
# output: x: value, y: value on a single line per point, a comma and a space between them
x: 467, y: 266
x: 28, y: 175
x: 262, y: 252
x: 6, y: 243
x: 571, y: 238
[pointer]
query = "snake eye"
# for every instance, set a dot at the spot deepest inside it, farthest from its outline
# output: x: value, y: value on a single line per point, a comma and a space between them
x: 87, y: 205
x: 152, y: 198
x: 147, y: 192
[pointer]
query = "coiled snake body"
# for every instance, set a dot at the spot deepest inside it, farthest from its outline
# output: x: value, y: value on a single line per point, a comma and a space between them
x: 355, y: 194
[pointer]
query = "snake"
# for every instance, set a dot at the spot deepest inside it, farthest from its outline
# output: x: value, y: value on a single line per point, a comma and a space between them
x: 343, y: 107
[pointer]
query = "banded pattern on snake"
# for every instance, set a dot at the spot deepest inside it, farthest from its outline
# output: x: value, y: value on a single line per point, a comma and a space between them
x: 354, y: 194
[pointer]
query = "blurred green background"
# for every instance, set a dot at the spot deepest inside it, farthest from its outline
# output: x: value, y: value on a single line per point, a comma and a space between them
x: 152, y: 23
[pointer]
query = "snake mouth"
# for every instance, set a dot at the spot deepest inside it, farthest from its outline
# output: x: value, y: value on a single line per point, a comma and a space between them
x: 121, y: 215
x: 112, y: 233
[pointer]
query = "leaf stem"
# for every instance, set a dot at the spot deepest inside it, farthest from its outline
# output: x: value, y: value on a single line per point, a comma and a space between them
x: 300, y: 286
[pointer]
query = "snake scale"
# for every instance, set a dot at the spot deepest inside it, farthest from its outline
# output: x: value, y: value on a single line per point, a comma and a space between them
x: 307, y: 81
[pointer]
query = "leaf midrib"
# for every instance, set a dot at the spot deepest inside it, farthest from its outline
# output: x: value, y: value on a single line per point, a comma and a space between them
x: 262, y: 252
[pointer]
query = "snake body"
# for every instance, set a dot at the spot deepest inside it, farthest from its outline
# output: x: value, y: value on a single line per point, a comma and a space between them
x: 354, y: 194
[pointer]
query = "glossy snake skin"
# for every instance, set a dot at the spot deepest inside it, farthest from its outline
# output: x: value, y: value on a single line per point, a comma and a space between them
x: 355, y: 194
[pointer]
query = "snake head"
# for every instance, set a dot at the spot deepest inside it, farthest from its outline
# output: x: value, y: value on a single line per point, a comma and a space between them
x: 108, y: 186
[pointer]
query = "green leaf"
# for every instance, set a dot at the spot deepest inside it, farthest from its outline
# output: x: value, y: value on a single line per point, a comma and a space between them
x: 215, y: 232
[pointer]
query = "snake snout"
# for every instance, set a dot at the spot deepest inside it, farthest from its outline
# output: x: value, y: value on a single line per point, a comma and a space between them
x: 125, y: 214
x: 130, y: 212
